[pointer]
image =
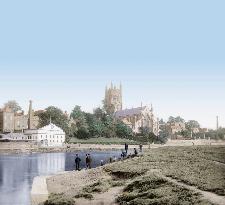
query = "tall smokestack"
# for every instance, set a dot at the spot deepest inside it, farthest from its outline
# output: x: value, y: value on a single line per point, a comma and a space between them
x: 30, y: 115
x: 217, y: 126
x: 217, y: 122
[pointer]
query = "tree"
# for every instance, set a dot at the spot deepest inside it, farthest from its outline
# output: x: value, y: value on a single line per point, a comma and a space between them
x: 192, y: 124
x: 95, y: 125
x: 99, y: 113
x: 57, y: 117
x: 122, y: 130
x: 13, y: 105
x: 80, y: 126
x: 109, y: 109
x: 175, y: 119
x: 79, y: 117
x: 109, y: 126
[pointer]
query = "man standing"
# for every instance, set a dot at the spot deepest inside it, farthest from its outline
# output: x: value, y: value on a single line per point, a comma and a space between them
x: 90, y: 160
x: 140, y: 147
x: 87, y: 161
x: 126, y: 147
x: 77, y: 162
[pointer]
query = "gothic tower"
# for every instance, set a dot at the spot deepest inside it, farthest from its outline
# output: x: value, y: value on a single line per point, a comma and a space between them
x: 113, y: 98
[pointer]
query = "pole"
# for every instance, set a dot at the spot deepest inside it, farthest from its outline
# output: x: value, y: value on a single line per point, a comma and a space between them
x: 217, y: 126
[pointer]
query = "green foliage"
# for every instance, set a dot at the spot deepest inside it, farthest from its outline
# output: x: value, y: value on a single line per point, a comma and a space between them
x: 175, y: 119
x: 13, y: 105
x: 58, y: 199
x: 123, y: 130
x: 152, y: 189
x: 57, y: 117
x: 146, y: 136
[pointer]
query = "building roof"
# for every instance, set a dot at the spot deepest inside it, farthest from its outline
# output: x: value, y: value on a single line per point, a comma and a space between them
x: 51, y: 127
x: 129, y: 112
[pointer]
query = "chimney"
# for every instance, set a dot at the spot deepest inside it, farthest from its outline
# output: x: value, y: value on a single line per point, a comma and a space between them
x: 30, y: 115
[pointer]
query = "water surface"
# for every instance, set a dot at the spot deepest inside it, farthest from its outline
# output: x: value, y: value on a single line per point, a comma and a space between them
x: 18, y: 170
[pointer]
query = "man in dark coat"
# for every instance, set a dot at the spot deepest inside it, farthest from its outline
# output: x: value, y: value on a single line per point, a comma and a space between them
x: 87, y: 161
x: 126, y: 147
x: 77, y: 162
x: 90, y: 161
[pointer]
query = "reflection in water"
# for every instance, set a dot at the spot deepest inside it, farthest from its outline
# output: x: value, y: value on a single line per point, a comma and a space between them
x: 17, y: 172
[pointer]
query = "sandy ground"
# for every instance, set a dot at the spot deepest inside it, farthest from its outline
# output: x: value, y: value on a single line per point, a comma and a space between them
x: 71, y: 183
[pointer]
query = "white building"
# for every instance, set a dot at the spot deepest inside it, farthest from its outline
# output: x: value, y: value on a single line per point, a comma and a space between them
x: 49, y: 135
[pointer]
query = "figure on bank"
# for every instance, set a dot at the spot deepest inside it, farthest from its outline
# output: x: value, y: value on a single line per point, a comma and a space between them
x: 126, y: 147
x: 77, y: 162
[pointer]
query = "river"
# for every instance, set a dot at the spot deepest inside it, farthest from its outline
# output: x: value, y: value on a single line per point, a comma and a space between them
x: 17, y: 171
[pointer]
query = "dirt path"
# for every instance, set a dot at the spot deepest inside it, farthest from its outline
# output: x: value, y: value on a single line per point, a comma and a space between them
x: 212, y: 197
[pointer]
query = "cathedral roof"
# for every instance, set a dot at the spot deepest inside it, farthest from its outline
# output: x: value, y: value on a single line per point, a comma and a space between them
x: 129, y: 112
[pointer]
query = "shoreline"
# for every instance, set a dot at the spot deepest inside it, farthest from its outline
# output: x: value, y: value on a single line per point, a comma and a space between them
x: 7, y: 148
x: 73, y: 182
x: 15, y: 148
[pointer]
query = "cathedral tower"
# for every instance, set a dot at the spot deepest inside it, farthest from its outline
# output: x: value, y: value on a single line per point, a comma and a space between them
x: 113, y: 99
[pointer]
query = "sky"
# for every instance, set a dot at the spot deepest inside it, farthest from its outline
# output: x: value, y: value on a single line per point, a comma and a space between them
x: 64, y: 53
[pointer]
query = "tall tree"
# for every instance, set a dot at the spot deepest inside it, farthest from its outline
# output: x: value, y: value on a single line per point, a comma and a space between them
x: 57, y: 117
x: 13, y: 105
x: 192, y: 124
x: 99, y: 113
x: 122, y: 130
x: 79, y: 123
x: 175, y: 119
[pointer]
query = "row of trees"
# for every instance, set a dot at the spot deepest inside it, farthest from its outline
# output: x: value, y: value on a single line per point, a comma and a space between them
x: 85, y: 125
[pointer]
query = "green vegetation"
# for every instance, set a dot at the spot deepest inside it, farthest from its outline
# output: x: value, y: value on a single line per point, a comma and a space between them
x: 152, y: 189
x: 58, y: 199
x: 199, y: 166
x: 99, y: 125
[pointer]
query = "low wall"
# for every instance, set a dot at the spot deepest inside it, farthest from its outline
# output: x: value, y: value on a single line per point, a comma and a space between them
x: 39, y: 191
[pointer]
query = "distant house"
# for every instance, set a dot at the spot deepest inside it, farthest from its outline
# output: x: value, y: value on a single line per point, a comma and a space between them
x: 49, y: 135
x: 175, y: 127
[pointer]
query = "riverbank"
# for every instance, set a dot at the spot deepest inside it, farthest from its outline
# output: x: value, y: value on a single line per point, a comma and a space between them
x: 182, y: 175
x: 30, y: 147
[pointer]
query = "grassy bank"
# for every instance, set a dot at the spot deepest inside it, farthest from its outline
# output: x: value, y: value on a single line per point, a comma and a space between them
x: 200, y: 166
x: 149, y: 179
x: 102, y: 140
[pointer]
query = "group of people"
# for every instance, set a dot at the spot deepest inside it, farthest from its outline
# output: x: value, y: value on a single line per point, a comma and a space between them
x: 123, y: 155
x: 88, y: 161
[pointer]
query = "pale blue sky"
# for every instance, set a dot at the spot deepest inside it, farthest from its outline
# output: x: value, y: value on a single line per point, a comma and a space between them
x: 63, y: 53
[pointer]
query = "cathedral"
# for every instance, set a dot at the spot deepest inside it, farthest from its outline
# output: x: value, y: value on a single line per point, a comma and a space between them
x: 135, y: 118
